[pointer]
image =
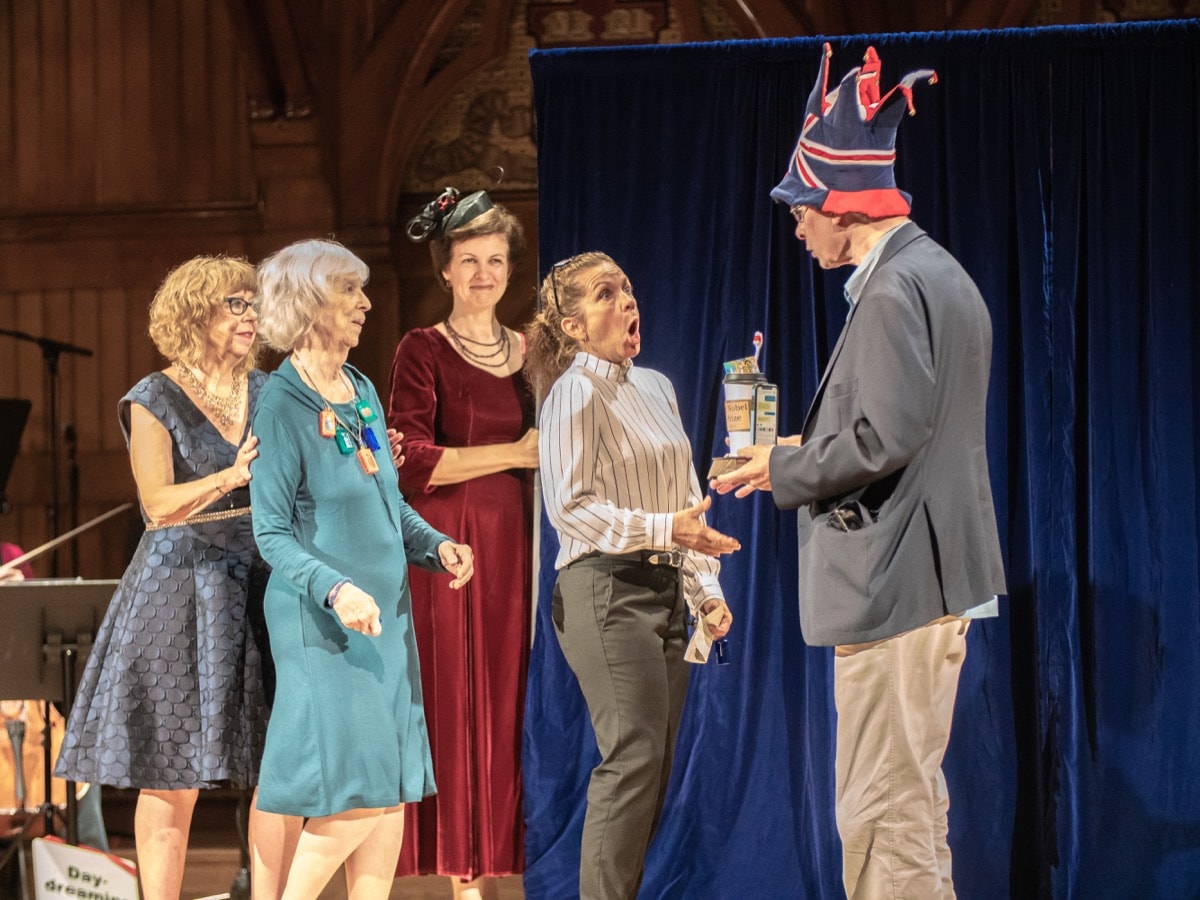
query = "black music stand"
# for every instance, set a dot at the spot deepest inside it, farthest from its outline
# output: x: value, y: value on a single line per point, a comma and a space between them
x: 48, y: 633
x: 13, y: 416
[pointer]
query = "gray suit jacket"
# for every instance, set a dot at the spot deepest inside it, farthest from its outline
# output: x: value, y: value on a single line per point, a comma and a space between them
x: 897, y: 432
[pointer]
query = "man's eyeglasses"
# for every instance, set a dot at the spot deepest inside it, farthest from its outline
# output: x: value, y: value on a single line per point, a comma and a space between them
x: 239, y: 305
x: 798, y: 212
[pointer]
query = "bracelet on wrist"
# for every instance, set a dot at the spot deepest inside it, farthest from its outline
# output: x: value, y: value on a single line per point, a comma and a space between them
x: 331, y: 597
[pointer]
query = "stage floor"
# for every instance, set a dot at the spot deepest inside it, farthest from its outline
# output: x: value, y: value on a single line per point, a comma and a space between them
x: 211, y: 871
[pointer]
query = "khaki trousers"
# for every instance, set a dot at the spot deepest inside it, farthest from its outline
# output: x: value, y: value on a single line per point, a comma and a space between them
x: 895, y: 704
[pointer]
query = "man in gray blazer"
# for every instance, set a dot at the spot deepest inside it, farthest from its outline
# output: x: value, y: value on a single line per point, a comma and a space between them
x: 898, y: 542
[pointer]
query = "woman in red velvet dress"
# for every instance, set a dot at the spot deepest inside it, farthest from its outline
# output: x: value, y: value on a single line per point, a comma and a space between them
x: 466, y: 412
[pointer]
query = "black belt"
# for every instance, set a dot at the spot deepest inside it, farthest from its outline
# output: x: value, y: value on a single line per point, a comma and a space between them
x: 670, y: 558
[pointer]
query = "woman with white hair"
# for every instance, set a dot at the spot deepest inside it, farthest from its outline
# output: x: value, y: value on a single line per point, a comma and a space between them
x: 346, y: 745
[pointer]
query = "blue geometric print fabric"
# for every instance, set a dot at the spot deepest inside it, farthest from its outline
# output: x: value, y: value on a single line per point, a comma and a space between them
x: 172, y: 694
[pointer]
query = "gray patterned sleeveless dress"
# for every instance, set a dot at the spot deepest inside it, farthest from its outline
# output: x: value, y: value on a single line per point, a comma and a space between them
x: 172, y: 694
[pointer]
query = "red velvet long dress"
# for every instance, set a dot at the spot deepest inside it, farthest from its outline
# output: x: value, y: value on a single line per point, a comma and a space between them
x: 473, y: 643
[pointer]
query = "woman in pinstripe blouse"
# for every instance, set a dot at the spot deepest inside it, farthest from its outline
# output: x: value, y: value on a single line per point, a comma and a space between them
x: 635, y: 555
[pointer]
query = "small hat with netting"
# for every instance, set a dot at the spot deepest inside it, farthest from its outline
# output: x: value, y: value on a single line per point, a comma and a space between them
x: 445, y: 212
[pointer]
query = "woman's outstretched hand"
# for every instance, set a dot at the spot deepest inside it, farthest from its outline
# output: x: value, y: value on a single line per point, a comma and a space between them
x: 688, y: 530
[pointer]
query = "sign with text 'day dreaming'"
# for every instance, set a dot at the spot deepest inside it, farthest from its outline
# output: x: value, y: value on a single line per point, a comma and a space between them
x: 61, y: 870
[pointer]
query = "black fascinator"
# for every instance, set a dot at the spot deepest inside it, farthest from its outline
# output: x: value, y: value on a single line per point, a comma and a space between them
x: 445, y: 213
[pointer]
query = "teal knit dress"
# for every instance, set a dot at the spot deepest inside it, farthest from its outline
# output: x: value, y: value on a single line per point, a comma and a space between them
x: 347, y: 728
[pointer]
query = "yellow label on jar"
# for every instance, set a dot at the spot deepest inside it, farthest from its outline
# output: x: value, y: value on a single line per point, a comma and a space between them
x: 737, y: 414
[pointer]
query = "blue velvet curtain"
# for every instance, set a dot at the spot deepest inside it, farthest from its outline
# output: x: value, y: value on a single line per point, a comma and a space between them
x: 1062, y: 167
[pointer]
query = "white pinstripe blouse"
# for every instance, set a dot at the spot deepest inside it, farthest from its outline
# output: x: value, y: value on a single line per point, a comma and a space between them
x: 616, y: 465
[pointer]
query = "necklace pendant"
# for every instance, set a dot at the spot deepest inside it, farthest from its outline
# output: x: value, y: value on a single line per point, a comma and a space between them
x: 365, y: 412
x: 366, y: 459
x: 369, y: 439
x: 345, y: 443
x: 327, y: 423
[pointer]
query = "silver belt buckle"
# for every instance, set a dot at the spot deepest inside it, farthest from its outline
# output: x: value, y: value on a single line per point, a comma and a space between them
x: 672, y: 558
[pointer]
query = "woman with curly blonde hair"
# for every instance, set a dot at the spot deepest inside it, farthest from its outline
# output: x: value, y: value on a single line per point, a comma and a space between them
x: 172, y: 697
x: 183, y: 309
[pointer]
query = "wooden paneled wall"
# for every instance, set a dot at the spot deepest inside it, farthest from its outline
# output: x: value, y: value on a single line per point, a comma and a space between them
x: 88, y: 388
x: 119, y: 104
x: 126, y: 147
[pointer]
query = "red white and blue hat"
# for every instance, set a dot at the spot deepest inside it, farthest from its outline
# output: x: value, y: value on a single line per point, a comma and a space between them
x: 845, y: 157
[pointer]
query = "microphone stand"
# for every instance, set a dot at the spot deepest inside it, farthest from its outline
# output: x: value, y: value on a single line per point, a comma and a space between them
x: 51, y: 350
x: 72, y: 442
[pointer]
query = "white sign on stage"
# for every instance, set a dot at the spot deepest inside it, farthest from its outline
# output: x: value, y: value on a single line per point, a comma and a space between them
x: 63, y: 870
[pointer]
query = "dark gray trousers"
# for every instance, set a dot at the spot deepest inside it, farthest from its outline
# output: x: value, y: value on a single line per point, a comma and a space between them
x: 622, y: 628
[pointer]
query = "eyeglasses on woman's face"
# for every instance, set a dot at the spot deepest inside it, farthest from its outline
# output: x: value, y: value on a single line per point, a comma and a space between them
x: 239, y: 305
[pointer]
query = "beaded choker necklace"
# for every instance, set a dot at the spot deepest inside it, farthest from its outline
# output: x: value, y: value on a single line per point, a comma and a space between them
x: 227, y: 409
x: 358, y: 439
x: 500, y: 345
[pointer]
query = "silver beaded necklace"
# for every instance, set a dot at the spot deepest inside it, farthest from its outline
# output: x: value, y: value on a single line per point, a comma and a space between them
x: 500, y: 345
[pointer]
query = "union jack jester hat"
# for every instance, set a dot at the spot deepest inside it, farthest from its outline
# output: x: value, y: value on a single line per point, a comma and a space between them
x: 845, y: 157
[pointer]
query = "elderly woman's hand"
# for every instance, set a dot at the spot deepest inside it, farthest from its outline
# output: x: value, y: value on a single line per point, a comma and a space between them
x: 394, y: 438
x: 458, y: 560
x: 357, y: 610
